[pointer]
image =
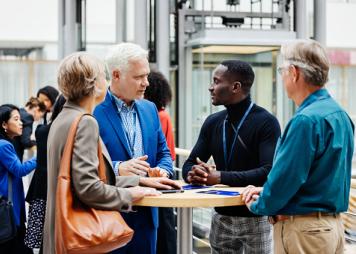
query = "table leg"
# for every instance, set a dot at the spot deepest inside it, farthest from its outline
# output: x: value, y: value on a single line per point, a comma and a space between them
x: 185, y: 230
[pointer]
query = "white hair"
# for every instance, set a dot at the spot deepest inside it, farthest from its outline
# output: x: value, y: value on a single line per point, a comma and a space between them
x: 311, y: 57
x: 120, y: 55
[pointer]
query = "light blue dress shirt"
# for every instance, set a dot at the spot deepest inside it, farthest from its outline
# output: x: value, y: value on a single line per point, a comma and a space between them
x: 131, y: 125
x: 312, y: 164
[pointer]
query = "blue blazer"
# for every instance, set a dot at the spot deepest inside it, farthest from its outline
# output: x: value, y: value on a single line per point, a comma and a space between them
x: 154, y: 142
x: 11, y: 164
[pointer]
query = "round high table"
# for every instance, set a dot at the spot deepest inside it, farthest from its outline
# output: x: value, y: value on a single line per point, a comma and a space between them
x: 184, y: 202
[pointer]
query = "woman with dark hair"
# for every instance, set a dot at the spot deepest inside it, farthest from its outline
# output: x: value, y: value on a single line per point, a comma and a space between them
x: 48, y: 96
x: 12, y: 168
x: 37, y: 192
x: 159, y: 92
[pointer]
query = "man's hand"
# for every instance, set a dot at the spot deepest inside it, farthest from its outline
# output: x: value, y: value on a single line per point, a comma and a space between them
x: 250, y: 194
x: 203, y: 173
x: 157, y: 172
x: 214, y: 177
x: 136, y: 166
x: 160, y: 183
x: 139, y: 192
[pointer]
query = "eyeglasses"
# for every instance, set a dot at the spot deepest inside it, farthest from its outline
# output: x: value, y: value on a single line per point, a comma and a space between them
x: 280, y: 69
x: 283, y: 67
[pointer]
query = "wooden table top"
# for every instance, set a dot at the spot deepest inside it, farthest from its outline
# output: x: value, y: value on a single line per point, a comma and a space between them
x: 190, y: 198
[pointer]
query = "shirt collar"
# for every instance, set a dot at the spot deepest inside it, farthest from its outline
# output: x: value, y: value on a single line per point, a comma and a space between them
x: 316, y: 96
x: 120, y: 104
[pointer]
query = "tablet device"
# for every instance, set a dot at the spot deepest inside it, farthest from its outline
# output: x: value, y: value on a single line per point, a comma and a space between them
x: 220, y: 192
x: 194, y: 187
x: 171, y: 191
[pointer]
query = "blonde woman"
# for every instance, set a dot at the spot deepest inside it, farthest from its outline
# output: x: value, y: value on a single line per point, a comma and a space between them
x: 81, y: 79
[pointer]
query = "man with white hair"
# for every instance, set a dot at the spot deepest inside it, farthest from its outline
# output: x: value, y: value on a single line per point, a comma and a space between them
x: 309, y: 183
x: 131, y: 130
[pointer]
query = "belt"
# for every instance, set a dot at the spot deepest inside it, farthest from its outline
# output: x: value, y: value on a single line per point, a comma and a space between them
x: 276, y: 218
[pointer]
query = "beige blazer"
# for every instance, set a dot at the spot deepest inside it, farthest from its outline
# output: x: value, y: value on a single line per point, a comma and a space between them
x: 88, y: 188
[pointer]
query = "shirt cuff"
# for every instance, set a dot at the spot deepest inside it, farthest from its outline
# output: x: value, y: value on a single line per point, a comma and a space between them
x: 116, y: 168
x: 165, y: 171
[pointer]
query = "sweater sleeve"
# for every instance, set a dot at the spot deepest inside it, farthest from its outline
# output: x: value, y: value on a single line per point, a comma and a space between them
x: 200, y: 150
x: 11, y: 162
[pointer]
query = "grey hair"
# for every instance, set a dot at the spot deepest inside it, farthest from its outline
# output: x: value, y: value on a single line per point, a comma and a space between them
x: 310, y: 57
x: 78, y: 74
x: 120, y: 55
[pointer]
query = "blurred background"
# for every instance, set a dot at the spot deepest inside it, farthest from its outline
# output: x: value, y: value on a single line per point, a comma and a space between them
x: 186, y: 40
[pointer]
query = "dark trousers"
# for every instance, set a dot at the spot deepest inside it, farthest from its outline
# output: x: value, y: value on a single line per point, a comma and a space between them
x: 166, y: 235
x: 145, y: 234
x: 16, y: 245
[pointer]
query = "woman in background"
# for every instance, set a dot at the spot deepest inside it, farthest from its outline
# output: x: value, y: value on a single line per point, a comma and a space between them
x: 159, y: 92
x: 48, y: 95
x: 37, y: 192
x: 11, y: 166
x: 34, y: 110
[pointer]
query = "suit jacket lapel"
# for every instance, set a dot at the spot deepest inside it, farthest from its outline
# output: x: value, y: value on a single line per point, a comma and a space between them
x: 145, y: 130
x: 113, y: 116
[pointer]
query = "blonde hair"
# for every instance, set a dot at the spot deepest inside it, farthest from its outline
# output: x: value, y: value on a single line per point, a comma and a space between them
x: 78, y: 74
x: 310, y: 57
x: 120, y: 55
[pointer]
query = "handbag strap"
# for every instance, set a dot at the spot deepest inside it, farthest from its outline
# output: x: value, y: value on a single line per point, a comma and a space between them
x: 9, y: 182
x: 9, y: 187
x: 68, y: 151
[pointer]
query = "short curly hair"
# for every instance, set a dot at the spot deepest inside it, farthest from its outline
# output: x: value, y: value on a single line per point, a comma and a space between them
x: 159, y: 91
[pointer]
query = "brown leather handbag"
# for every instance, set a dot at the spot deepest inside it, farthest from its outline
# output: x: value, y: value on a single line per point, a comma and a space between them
x: 79, y: 228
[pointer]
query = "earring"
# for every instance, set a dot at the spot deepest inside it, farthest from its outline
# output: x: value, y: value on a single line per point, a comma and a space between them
x: 5, y: 130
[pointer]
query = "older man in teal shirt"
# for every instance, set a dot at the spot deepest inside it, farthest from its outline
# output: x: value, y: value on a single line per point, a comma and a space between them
x: 309, y: 183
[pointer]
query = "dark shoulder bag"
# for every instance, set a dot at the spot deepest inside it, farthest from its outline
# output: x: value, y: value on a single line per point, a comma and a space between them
x: 7, y: 218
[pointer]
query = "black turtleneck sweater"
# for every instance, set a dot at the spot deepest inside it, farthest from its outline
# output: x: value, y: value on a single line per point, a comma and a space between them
x: 253, y: 152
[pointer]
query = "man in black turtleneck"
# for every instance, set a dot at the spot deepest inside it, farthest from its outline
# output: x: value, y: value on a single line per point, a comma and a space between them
x: 241, y: 140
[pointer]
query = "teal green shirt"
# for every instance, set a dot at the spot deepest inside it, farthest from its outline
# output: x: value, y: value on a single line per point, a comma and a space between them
x: 312, y: 164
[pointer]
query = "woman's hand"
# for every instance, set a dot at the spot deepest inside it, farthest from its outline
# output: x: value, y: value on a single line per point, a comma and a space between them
x: 139, y: 192
x: 160, y: 183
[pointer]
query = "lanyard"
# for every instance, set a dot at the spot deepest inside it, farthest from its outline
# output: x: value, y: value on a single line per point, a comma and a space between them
x: 227, y: 160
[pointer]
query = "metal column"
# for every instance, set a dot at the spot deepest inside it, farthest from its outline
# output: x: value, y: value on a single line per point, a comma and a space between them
x: 120, y: 21
x: 185, y: 230
x: 69, y: 28
x: 141, y: 23
x: 320, y: 21
x: 301, y: 20
x: 162, y: 37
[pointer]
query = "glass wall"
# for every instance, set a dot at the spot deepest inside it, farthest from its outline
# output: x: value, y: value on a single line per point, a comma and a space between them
x: 21, y: 79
